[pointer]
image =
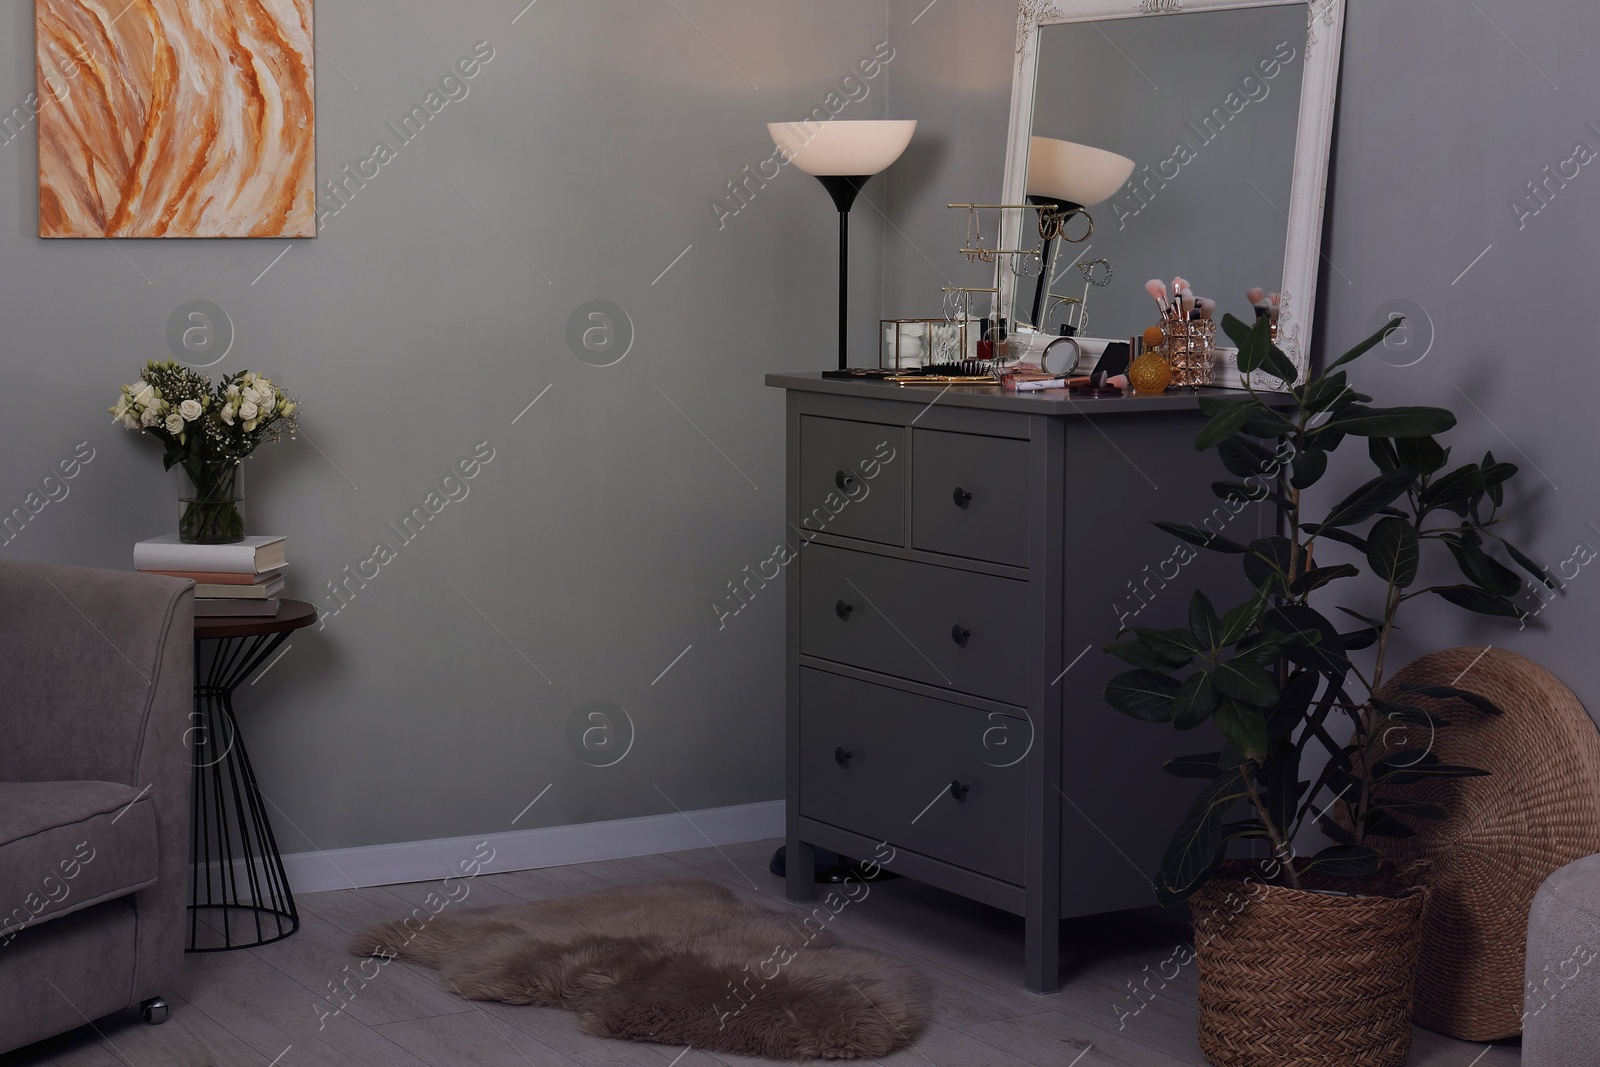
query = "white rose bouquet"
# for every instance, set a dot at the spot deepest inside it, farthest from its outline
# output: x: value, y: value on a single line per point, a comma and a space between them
x: 207, y: 430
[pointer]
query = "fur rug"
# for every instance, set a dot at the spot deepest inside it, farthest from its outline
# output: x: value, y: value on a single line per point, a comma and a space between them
x: 678, y: 962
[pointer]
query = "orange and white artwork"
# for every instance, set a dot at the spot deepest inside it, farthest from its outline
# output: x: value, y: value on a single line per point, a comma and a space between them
x: 176, y: 118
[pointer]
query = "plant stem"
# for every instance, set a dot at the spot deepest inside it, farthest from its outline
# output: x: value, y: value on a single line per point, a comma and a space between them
x: 1280, y: 850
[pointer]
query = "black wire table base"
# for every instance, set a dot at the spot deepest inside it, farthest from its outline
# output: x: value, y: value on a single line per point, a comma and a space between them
x: 239, y: 894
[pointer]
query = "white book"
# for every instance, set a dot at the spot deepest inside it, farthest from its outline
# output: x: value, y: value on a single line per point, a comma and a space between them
x: 250, y: 556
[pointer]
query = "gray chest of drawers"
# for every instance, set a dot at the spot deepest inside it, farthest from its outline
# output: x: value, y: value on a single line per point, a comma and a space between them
x: 962, y: 557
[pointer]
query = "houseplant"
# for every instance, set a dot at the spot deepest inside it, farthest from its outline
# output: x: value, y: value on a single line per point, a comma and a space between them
x: 1285, y: 946
x: 206, y: 430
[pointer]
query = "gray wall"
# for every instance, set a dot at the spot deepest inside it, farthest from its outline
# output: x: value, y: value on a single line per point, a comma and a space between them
x: 597, y: 540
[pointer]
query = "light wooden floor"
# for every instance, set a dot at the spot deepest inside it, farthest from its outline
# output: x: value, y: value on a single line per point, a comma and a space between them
x: 261, y: 1006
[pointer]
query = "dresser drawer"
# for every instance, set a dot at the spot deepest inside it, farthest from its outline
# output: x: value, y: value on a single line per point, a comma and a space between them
x: 882, y: 762
x: 853, y: 479
x: 931, y: 624
x: 969, y: 496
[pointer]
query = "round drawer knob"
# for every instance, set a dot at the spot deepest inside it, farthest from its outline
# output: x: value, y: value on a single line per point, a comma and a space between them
x: 959, y: 634
x: 843, y: 610
x: 958, y: 790
x: 961, y: 497
x: 843, y: 481
x: 843, y: 758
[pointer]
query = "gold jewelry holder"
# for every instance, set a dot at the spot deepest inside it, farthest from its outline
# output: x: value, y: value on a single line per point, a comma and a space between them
x: 1190, y: 348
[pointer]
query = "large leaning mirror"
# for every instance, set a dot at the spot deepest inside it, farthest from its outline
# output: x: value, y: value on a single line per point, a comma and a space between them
x: 1225, y: 110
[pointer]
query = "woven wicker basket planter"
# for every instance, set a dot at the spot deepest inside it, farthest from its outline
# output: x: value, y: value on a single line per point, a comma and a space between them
x: 1295, y: 978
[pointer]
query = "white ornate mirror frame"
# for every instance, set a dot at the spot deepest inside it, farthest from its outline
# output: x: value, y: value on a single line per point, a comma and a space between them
x: 1324, y: 36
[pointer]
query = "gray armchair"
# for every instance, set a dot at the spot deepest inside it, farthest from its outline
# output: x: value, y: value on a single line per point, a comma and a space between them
x: 96, y: 688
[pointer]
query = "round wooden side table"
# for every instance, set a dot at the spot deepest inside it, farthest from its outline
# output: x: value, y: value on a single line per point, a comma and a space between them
x: 236, y: 873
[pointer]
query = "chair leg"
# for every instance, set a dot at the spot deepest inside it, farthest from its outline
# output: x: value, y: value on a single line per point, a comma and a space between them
x: 155, y: 1010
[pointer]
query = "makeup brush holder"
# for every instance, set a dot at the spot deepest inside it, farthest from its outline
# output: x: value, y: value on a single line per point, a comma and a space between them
x: 1190, y: 348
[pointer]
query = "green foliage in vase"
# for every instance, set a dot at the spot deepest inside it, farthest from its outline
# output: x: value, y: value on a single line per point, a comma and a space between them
x: 1274, y: 675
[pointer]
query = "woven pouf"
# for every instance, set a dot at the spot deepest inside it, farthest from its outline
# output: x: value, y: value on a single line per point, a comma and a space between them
x: 1562, y: 999
x: 1296, y: 978
x: 1538, y: 809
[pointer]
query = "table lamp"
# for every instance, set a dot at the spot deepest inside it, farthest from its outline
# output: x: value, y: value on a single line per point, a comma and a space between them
x: 1065, y: 178
x: 842, y: 155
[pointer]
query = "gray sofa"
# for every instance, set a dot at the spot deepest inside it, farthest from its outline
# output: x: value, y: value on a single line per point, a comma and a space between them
x: 96, y: 689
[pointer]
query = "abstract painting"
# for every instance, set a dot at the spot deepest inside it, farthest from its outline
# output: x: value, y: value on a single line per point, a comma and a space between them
x: 176, y: 118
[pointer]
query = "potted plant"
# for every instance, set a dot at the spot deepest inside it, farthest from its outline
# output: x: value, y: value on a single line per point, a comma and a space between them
x: 206, y: 431
x: 1309, y: 959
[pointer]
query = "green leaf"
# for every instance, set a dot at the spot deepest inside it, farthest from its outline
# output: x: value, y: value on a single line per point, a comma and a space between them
x: 1195, y: 536
x: 1484, y: 571
x: 1319, y: 648
x: 1393, y: 551
x: 1417, y: 809
x: 1196, y: 847
x: 1450, y: 692
x: 1177, y: 644
x: 1345, y: 861
x: 1423, y: 453
x: 1356, y: 640
x: 1317, y: 577
x: 1536, y: 572
x: 1195, y: 701
x: 1321, y: 393
x: 1204, y: 624
x: 1268, y: 563
x: 1368, y: 619
x: 1295, y: 698
x: 1456, y: 487
x: 1474, y: 599
x: 1367, y: 500
x: 1199, y: 765
x: 1143, y: 695
x: 1245, y: 727
x: 1245, y: 458
x: 1417, y: 765
x: 1380, y: 823
x: 1240, y: 620
x: 1344, y: 537
x: 1409, y: 714
x: 1308, y: 468
x: 1371, y: 342
x: 1225, y: 425
x: 1362, y: 421
x: 1383, y: 454
x: 1140, y: 655
x: 1246, y: 680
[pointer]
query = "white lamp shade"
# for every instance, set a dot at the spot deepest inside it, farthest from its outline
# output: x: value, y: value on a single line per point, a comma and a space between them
x: 858, y: 147
x: 1076, y: 173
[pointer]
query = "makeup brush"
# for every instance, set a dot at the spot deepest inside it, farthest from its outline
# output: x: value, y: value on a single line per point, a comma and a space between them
x: 1158, y: 292
x: 1208, y: 308
x: 1255, y: 296
x: 1188, y: 304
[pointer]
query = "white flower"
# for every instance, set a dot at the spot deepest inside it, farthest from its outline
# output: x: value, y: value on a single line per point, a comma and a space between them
x: 174, y: 423
x: 248, y: 410
x: 227, y: 414
x: 288, y: 409
x: 267, y: 403
x: 190, y: 410
x: 149, y: 417
x: 141, y: 392
x: 249, y: 425
x: 129, y: 422
x: 233, y: 390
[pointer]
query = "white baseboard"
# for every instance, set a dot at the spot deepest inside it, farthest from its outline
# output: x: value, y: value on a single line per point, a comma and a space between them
x: 522, y: 850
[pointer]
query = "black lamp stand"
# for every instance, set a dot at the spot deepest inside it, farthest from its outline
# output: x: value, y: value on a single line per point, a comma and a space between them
x: 843, y: 188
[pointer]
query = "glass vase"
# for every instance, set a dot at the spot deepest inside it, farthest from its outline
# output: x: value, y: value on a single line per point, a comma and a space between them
x: 213, y: 513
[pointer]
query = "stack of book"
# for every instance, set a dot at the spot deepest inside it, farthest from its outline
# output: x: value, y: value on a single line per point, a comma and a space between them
x: 243, y: 578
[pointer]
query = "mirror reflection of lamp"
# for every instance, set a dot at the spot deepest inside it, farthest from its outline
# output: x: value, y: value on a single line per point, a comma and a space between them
x: 1065, y: 178
x: 843, y: 155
